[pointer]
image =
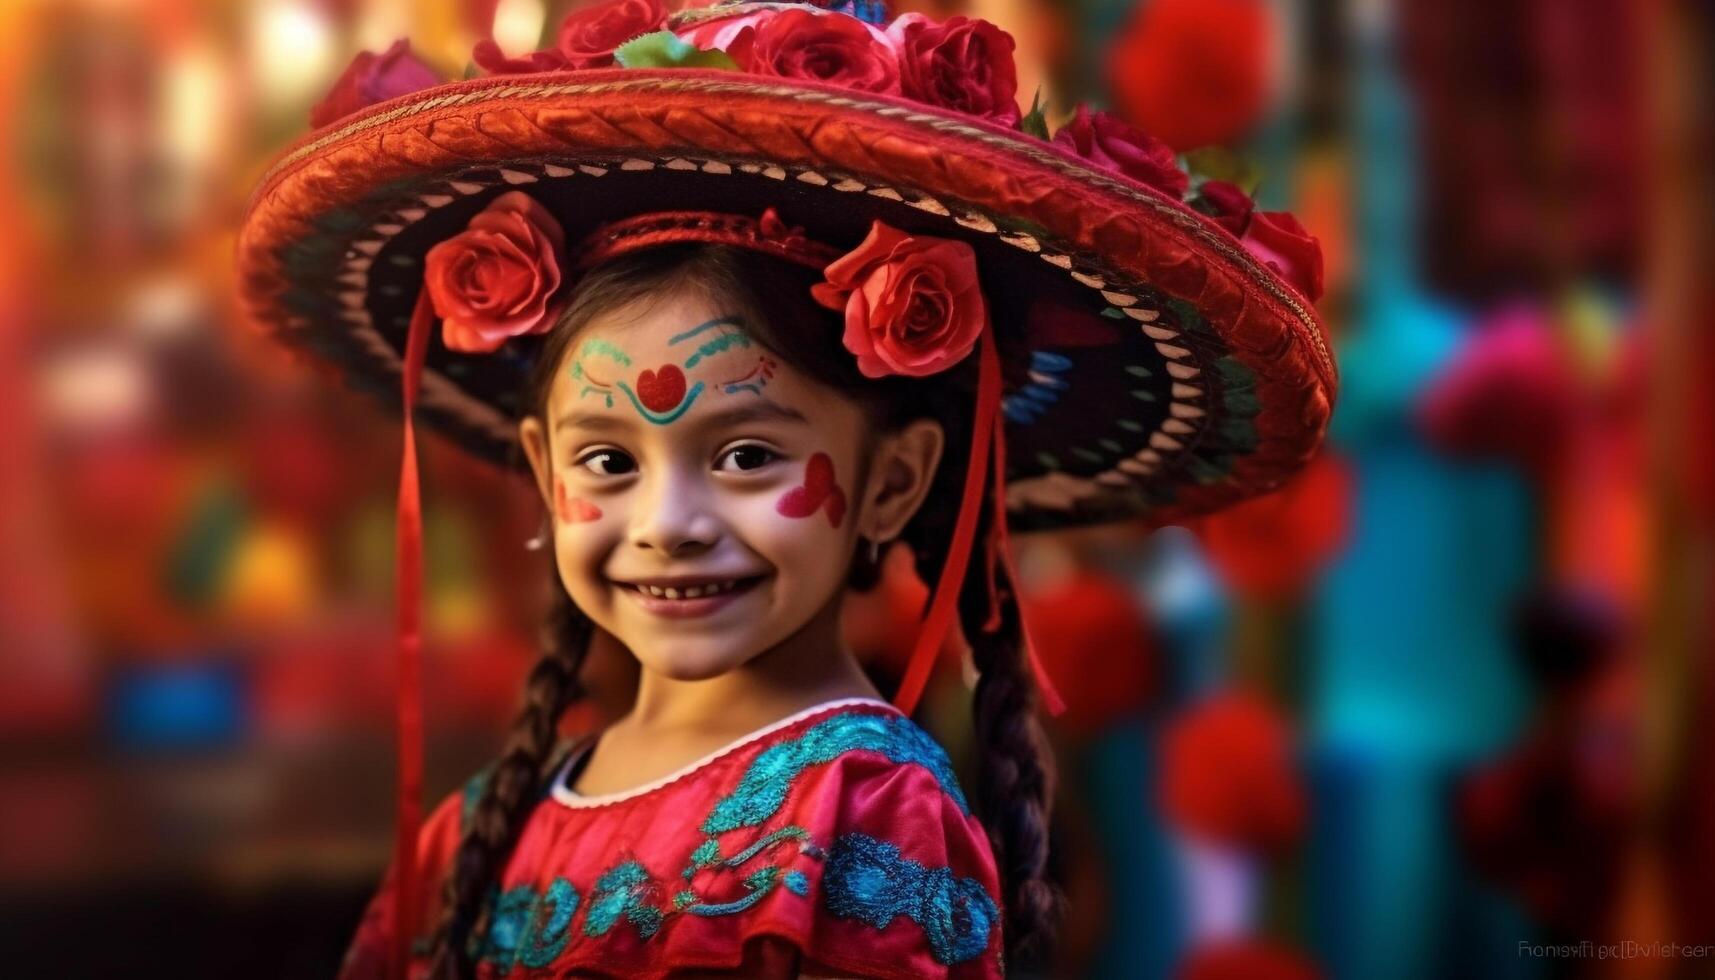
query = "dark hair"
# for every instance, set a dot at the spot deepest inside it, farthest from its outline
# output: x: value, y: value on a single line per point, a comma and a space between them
x: 773, y: 298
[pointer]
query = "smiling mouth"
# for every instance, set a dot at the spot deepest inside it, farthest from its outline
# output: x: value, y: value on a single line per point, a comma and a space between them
x: 702, y: 590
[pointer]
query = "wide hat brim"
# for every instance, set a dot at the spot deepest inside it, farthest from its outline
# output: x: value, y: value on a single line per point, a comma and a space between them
x: 1153, y: 369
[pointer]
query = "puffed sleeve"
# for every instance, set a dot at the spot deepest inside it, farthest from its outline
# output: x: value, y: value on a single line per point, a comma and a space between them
x: 908, y: 885
x: 371, y: 949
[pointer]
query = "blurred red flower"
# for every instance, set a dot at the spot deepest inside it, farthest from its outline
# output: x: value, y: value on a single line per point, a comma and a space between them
x: 1193, y: 72
x: 1228, y: 774
x: 1097, y: 645
x: 372, y: 78
x: 1271, y: 546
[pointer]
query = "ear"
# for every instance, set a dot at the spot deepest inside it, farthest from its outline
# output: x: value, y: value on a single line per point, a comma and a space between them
x: 534, y: 438
x: 901, y: 470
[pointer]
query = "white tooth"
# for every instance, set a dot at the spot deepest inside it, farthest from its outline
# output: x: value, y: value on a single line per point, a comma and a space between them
x: 671, y: 593
x: 654, y: 590
x: 693, y: 592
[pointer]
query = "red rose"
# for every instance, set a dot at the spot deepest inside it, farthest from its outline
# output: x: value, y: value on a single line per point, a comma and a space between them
x: 491, y: 59
x: 1274, y: 238
x: 588, y: 36
x: 372, y: 78
x: 1227, y: 774
x: 913, y: 304
x: 1112, y: 143
x: 1230, y: 206
x: 493, y: 280
x: 964, y: 64
x: 821, y: 47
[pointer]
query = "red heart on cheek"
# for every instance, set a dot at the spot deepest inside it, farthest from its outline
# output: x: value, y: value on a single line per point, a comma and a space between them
x: 836, y: 507
x: 573, y: 510
x: 818, y: 488
x: 661, y: 391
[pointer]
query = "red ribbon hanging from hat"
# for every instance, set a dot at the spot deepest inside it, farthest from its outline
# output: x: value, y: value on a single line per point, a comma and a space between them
x: 409, y: 705
x: 987, y: 441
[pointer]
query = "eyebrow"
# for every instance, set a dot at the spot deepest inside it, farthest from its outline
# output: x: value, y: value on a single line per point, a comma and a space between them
x: 753, y: 410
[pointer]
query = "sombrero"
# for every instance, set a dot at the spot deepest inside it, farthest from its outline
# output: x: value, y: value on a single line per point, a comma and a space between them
x: 1153, y: 362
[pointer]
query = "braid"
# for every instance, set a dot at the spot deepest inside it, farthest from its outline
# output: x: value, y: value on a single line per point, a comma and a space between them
x: 1013, y: 780
x: 511, y: 792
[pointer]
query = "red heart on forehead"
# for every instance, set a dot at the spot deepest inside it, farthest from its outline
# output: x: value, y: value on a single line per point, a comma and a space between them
x: 660, y: 391
x: 818, y: 484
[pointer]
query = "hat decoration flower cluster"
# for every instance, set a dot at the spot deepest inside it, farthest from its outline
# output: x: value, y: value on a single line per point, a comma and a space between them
x: 912, y: 303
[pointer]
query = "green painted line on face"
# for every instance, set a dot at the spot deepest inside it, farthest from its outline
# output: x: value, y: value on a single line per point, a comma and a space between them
x: 716, y: 346
x: 602, y: 347
x: 731, y: 321
x: 684, y: 406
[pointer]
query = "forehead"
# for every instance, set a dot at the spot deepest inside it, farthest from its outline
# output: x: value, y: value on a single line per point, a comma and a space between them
x: 683, y: 357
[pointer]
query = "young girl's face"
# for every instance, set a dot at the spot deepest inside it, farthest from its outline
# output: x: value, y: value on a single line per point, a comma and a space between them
x: 705, y: 494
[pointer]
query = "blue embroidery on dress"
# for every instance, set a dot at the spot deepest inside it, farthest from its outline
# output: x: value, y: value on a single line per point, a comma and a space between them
x: 762, y: 790
x: 529, y: 928
x: 868, y: 880
x: 622, y: 890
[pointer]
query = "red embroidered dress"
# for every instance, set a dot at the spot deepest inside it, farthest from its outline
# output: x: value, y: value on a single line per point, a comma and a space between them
x: 833, y: 842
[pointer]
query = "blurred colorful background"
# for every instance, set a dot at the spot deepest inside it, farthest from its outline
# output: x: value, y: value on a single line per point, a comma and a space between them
x: 1442, y: 707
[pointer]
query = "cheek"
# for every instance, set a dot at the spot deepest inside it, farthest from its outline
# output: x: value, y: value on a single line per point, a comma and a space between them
x: 572, y: 509
x: 818, y: 493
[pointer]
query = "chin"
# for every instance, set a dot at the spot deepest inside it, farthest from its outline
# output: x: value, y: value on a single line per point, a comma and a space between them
x: 692, y: 663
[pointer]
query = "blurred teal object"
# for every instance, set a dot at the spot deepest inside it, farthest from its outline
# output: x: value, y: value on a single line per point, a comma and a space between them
x: 1412, y: 677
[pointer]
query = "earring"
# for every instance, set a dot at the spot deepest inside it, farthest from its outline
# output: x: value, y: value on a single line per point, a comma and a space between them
x: 540, y: 541
x: 875, y: 551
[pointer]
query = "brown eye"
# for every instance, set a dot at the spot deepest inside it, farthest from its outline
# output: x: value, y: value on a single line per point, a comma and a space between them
x: 747, y: 457
x: 608, y: 462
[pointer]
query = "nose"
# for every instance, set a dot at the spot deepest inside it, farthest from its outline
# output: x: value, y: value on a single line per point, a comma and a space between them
x: 674, y: 514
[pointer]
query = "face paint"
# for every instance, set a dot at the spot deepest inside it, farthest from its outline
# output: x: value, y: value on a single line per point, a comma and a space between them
x: 573, y: 510
x: 753, y: 380
x: 734, y: 338
x: 819, y: 490
x: 660, y: 396
x: 590, y: 350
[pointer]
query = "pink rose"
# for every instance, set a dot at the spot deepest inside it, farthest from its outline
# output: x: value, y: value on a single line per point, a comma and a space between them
x: 588, y: 36
x: 913, y: 303
x: 493, y: 280
x: 822, y: 47
x: 963, y: 64
x: 1112, y: 143
x: 372, y: 78
x: 1274, y: 238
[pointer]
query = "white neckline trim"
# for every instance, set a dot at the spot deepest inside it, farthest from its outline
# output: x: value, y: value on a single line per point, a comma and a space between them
x: 564, y: 795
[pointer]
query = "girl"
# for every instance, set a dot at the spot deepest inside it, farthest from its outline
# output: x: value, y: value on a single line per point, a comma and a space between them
x: 729, y: 417
x: 713, y: 535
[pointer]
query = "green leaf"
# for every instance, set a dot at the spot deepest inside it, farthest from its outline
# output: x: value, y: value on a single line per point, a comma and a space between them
x: 1220, y: 163
x: 1035, y: 122
x: 664, y: 49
